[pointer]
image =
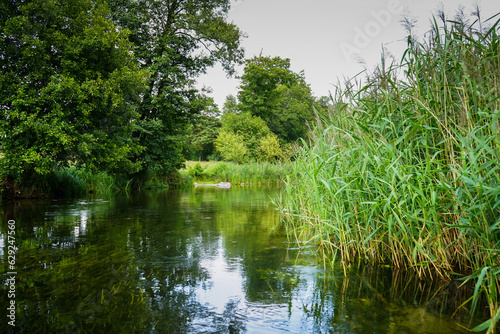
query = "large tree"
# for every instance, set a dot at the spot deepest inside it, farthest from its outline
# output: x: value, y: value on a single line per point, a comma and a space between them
x: 281, y: 97
x: 176, y: 40
x: 105, y: 84
x: 68, y: 88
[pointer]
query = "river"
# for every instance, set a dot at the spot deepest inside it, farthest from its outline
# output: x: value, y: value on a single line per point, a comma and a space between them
x: 205, y: 260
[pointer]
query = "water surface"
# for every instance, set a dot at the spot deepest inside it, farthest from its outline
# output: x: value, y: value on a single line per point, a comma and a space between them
x: 206, y: 260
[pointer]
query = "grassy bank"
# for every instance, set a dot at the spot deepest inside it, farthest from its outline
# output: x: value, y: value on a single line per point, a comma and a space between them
x: 250, y: 174
x: 73, y: 181
x: 405, y: 170
x: 67, y: 182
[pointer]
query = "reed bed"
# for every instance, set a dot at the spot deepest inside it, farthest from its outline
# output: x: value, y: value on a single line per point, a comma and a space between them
x: 73, y: 181
x: 405, y: 169
x: 250, y: 173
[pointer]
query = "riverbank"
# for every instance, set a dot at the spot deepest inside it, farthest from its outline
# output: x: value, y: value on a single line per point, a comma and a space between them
x: 404, y: 172
x: 67, y: 182
x: 249, y: 174
x: 72, y: 181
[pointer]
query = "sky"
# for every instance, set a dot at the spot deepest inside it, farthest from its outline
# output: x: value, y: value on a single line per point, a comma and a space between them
x: 327, y: 38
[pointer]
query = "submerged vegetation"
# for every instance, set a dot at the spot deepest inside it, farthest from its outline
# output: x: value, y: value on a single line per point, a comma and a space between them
x: 405, y: 169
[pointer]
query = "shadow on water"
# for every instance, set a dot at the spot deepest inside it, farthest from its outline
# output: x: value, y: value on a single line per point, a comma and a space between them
x: 206, y: 260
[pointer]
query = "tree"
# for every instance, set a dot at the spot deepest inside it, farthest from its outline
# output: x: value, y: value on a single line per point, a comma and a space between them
x: 105, y: 84
x: 176, y: 40
x: 68, y: 89
x: 201, y: 135
x: 261, y: 77
x: 231, y: 146
x: 270, y: 90
x: 293, y: 112
x: 270, y: 148
x: 230, y: 105
x: 245, y: 137
x: 250, y: 128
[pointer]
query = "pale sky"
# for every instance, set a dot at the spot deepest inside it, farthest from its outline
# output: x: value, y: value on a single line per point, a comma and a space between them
x: 325, y: 37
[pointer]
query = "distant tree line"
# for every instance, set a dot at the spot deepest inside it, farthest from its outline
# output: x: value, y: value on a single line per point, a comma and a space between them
x: 273, y: 110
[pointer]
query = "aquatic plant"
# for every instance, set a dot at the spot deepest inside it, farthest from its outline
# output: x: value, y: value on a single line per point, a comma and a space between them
x: 405, y: 171
x: 74, y: 181
x: 250, y: 173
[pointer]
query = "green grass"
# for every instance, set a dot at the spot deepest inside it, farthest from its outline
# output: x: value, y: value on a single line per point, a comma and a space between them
x: 73, y: 181
x: 203, y: 164
x: 405, y: 171
x: 250, y: 174
x: 77, y: 181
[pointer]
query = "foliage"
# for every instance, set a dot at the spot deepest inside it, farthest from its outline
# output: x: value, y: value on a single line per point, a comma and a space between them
x: 105, y: 85
x: 262, y: 75
x: 176, y: 41
x: 244, y: 138
x: 250, y: 128
x: 269, y: 148
x: 251, y: 173
x: 201, y: 135
x: 68, y: 89
x: 271, y: 91
x: 230, y: 105
x: 248, y: 173
x: 231, y: 146
x: 293, y: 112
x: 196, y: 171
x: 74, y: 181
x: 405, y: 172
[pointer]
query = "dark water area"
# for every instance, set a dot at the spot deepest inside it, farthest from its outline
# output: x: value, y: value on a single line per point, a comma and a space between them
x: 206, y: 260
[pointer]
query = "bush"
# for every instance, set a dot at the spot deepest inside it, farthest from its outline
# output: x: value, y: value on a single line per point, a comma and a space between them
x: 231, y: 146
x: 196, y: 171
x: 270, y: 149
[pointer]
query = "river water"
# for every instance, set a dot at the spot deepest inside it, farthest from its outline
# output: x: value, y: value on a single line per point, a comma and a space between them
x: 205, y: 260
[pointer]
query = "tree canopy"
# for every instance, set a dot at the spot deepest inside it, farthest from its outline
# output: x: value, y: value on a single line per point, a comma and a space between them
x: 68, y: 89
x: 201, y: 134
x: 244, y: 137
x: 108, y: 85
x: 281, y: 97
x: 176, y: 40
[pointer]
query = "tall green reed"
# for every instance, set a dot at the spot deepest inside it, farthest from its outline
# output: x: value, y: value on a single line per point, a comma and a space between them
x: 405, y: 170
x: 73, y: 181
x: 250, y: 173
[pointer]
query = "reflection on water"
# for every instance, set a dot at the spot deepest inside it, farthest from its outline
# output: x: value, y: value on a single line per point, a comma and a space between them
x: 207, y: 260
